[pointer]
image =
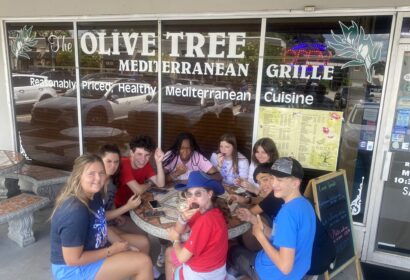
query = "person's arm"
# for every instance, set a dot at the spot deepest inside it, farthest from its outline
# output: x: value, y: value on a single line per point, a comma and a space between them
x: 182, y: 254
x: 174, y: 174
x: 136, y: 187
x: 248, y: 186
x: 243, y: 167
x: 256, y: 210
x: 77, y: 256
x: 181, y: 225
x: 132, y: 203
x: 159, y: 179
x: 214, y: 174
x: 283, y: 258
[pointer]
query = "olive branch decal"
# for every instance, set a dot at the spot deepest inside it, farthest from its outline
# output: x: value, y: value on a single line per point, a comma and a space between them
x: 23, y: 42
x: 354, y: 43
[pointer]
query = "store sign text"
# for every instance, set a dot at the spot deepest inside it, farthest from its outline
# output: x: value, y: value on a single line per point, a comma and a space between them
x: 189, y: 45
x: 299, y: 72
x: 194, y: 43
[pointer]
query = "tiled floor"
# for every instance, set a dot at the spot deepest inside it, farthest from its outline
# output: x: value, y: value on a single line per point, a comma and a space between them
x: 32, y: 262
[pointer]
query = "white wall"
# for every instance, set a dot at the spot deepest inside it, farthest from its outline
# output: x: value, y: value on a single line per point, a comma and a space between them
x: 23, y: 10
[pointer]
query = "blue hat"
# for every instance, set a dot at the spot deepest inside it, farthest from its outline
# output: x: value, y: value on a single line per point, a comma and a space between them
x: 201, y: 180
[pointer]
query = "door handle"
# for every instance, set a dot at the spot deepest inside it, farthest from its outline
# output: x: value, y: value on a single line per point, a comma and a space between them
x: 386, y: 165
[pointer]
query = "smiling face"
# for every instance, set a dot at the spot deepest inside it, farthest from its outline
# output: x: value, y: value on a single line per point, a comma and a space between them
x: 93, y: 178
x: 226, y: 149
x: 111, y: 163
x: 286, y: 188
x: 265, y: 181
x: 261, y: 155
x: 200, y: 196
x: 185, y: 151
x: 139, y: 158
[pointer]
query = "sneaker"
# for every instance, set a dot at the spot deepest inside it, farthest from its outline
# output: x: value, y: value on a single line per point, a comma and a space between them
x: 161, y: 259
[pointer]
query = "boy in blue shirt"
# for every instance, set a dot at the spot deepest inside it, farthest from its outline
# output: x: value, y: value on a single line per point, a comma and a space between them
x: 287, y: 247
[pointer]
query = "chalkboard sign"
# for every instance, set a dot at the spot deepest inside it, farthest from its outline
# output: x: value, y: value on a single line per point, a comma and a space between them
x: 332, y: 206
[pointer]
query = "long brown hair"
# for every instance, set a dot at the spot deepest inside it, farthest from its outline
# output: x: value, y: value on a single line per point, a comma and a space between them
x: 113, y: 149
x: 268, y: 146
x: 231, y: 139
x: 73, y: 186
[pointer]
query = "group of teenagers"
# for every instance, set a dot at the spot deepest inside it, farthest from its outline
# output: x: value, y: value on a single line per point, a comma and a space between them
x: 88, y: 240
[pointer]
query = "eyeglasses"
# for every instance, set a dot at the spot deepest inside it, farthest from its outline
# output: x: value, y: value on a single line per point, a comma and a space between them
x: 196, y: 194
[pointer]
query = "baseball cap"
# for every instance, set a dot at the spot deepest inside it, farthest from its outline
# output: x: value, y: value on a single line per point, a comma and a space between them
x: 287, y: 167
x: 201, y: 180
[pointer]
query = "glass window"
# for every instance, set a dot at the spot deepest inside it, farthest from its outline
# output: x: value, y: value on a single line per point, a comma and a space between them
x: 394, y: 225
x: 209, y: 75
x: 115, y: 85
x: 42, y: 70
x: 321, y: 92
x: 405, y: 28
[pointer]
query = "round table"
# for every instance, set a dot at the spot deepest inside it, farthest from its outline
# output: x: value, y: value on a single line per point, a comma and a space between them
x: 154, y: 226
x: 92, y: 132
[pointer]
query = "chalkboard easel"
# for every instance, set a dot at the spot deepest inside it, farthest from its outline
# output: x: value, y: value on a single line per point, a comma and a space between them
x: 331, y: 200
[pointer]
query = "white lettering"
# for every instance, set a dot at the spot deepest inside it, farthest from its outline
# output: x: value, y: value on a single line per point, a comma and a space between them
x: 236, y: 39
x: 148, y: 39
x: 93, y: 41
x: 192, y: 47
x: 214, y: 43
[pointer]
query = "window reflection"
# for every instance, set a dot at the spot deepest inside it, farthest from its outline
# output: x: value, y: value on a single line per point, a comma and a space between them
x: 42, y: 70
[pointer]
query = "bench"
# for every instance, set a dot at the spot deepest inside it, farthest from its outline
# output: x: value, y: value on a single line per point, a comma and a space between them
x: 57, y: 147
x: 41, y: 180
x: 18, y: 212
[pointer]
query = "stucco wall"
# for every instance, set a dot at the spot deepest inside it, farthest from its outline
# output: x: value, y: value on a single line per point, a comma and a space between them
x: 23, y: 8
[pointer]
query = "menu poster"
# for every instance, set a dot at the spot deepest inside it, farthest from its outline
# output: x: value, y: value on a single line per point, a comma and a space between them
x: 310, y: 136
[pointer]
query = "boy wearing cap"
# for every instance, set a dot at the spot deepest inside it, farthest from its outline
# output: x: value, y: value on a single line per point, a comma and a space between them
x: 287, y: 247
x: 203, y: 255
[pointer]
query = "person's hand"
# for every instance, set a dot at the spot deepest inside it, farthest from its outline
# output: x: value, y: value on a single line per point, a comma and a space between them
x: 257, y: 228
x: 245, y: 184
x: 134, y: 201
x: 173, y: 234
x: 187, y: 214
x: 263, y: 193
x: 236, y: 198
x: 220, y: 159
x: 159, y: 155
x: 245, y: 215
x: 118, y: 247
x: 180, y: 169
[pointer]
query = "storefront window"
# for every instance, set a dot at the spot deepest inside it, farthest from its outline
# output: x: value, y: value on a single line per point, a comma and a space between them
x: 114, y: 82
x: 321, y: 93
x: 209, y: 76
x: 42, y: 70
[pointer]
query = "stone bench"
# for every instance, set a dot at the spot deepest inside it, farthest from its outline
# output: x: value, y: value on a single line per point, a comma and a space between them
x: 43, y: 181
x: 18, y: 212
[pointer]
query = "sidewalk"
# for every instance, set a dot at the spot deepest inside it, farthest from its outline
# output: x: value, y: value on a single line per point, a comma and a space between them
x: 32, y: 262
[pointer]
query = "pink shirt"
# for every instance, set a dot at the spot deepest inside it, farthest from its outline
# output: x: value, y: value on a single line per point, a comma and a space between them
x: 195, y: 163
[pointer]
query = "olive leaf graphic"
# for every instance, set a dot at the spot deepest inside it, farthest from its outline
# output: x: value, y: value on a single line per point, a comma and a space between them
x: 23, y: 42
x: 355, y: 44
